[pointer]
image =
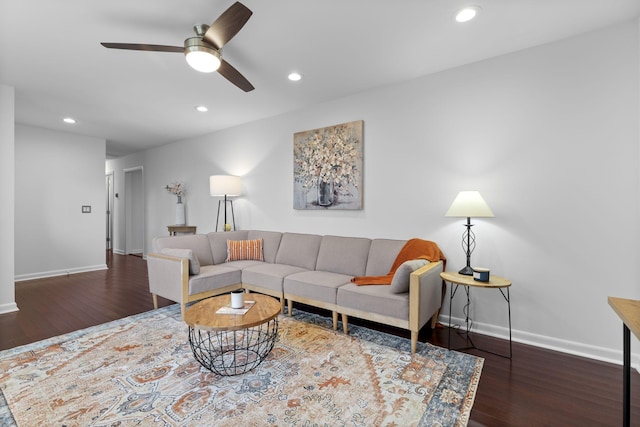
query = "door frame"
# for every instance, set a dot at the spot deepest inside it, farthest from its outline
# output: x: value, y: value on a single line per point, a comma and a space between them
x: 109, y: 182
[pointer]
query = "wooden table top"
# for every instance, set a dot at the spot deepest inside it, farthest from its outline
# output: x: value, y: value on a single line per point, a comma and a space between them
x: 202, y: 315
x: 629, y: 312
x: 461, y: 279
x: 181, y: 228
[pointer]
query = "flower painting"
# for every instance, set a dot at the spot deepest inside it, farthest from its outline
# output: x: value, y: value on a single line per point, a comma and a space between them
x: 327, y: 167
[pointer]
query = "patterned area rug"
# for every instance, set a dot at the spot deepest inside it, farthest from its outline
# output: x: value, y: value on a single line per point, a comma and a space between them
x: 140, y: 371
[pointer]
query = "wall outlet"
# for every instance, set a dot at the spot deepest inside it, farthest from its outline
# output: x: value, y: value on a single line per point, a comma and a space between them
x: 86, y: 209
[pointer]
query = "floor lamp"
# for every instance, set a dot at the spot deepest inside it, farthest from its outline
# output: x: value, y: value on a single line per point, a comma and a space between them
x: 225, y: 186
x: 469, y: 204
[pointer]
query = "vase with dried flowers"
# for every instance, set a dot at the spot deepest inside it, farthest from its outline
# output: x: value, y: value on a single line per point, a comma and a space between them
x: 177, y: 189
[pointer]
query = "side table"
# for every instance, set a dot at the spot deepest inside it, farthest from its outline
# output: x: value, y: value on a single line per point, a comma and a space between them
x: 629, y: 311
x: 174, y: 229
x: 232, y: 344
x: 495, y: 282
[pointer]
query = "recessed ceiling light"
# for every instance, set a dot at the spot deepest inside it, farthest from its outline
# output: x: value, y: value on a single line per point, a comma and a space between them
x: 69, y: 120
x: 294, y: 77
x: 467, y: 14
x: 202, y: 108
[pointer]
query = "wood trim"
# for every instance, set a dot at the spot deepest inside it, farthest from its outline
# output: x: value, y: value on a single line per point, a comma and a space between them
x: 320, y: 304
x: 374, y: 317
x: 415, y: 290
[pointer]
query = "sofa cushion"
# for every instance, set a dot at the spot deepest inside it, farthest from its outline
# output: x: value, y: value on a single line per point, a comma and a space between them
x: 269, y: 276
x: 213, y: 277
x: 315, y: 285
x: 374, y: 299
x: 198, y: 243
x: 243, y: 250
x: 400, y: 281
x: 194, y: 264
x: 218, y: 243
x: 344, y: 255
x: 270, y: 243
x: 241, y: 265
x: 382, y: 254
x: 299, y: 250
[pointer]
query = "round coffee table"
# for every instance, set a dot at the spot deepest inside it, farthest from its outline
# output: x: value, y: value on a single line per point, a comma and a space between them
x: 232, y: 344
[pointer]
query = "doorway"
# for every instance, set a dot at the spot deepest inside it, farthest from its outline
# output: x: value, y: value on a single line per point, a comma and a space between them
x: 134, y: 211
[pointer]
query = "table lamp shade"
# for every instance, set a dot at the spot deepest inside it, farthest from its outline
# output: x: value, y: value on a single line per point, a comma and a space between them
x: 469, y: 204
x: 225, y: 185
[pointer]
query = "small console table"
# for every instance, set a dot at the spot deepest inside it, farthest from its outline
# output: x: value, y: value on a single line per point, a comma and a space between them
x: 174, y: 229
x: 495, y: 282
x: 629, y: 311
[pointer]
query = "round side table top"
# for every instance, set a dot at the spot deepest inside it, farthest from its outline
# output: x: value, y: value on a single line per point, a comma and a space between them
x: 461, y: 279
x: 202, y: 315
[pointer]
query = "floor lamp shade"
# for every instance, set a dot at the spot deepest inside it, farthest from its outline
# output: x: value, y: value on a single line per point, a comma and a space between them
x: 225, y: 186
x: 469, y: 204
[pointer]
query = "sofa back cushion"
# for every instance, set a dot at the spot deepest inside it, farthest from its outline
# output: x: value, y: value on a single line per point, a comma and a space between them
x: 218, y: 243
x: 299, y: 250
x: 344, y: 255
x: 382, y: 254
x: 270, y: 243
x: 198, y: 243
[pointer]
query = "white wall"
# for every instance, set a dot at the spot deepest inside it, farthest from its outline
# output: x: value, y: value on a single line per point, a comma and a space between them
x: 7, y: 195
x: 56, y: 173
x: 548, y: 135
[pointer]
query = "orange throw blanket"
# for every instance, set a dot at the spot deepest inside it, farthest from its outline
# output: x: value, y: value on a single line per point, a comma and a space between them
x: 413, y: 249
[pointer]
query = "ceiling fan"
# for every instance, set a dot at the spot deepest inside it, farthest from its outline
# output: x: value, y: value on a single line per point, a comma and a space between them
x: 204, y: 51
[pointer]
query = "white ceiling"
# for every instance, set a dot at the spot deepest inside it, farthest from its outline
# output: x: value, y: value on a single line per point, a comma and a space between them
x: 50, y: 53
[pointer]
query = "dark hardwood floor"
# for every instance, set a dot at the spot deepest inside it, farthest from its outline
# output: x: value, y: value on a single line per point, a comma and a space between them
x: 537, y: 387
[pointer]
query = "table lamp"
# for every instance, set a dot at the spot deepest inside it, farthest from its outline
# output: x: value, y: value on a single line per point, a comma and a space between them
x: 469, y: 204
x: 225, y: 186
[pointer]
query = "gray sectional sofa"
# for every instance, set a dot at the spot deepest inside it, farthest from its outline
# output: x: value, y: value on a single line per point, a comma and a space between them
x: 306, y: 268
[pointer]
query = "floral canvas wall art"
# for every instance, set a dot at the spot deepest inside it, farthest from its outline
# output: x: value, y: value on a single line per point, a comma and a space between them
x: 327, y: 167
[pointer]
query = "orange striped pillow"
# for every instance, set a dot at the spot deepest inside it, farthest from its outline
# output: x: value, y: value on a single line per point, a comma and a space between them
x: 241, y: 250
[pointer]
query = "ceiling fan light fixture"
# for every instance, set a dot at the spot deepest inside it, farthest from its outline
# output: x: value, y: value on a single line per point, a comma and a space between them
x: 467, y: 14
x: 200, y: 56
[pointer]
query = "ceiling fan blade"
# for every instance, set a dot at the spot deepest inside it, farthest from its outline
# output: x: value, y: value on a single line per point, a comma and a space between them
x: 147, y: 47
x: 234, y: 76
x: 227, y: 25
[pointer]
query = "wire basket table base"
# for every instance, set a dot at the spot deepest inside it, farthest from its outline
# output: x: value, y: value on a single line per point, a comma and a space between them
x: 233, y: 352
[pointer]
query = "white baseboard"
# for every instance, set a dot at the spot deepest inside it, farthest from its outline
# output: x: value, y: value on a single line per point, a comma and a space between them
x: 118, y: 251
x: 564, y: 346
x: 54, y: 273
x: 8, y: 308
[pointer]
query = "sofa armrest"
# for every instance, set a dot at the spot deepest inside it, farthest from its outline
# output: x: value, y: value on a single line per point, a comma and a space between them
x: 168, y: 277
x: 425, y: 294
